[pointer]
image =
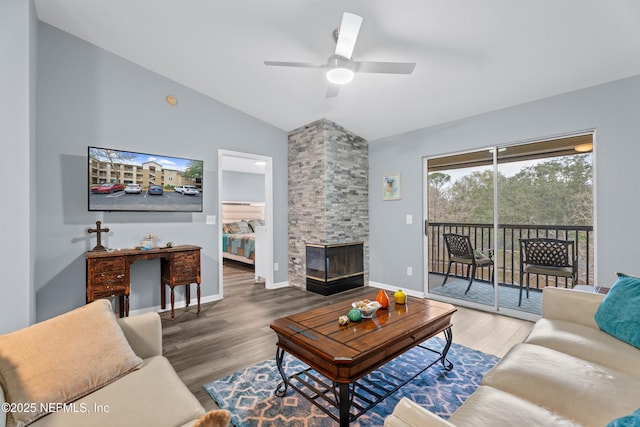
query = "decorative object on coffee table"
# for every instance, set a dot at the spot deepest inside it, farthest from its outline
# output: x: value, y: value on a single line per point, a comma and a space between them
x: 383, y: 299
x: 399, y: 296
x: 98, y: 230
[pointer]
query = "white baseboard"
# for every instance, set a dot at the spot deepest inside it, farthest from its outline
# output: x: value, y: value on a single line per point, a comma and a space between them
x: 279, y: 285
x: 178, y: 304
x: 392, y: 288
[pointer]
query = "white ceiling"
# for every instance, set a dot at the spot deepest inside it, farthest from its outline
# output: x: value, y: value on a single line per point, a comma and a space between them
x: 472, y: 56
x: 241, y: 164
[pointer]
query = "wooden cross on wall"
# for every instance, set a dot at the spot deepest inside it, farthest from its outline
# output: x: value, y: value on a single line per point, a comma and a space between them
x: 98, y: 231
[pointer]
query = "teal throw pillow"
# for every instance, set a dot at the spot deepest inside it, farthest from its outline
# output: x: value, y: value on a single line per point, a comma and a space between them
x: 619, y: 312
x: 632, y: 420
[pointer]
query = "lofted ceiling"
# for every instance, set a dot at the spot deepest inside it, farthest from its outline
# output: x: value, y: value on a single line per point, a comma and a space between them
x: 472, y: 56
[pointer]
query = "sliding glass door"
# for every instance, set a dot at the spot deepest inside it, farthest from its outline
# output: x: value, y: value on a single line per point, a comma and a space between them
x: 460, y: 191
x: 498, y: 197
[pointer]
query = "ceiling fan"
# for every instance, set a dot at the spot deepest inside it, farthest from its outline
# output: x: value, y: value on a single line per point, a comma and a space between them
x: 340, y: 67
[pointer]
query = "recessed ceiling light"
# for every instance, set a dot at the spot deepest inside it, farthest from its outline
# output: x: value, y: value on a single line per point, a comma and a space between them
x: 172, y: 100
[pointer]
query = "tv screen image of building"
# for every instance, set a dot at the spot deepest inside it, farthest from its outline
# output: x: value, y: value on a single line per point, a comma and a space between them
x: 121, y: 180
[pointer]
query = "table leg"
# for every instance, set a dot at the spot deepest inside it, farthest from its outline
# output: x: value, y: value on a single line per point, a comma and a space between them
x: 163, y: 296
x: 172, y: 301
x: 198, y: 295
x: 285, y: 382
x: 448, y: 333
x: 121, y: 305
x: 344, y: 404
x: 187, y: 294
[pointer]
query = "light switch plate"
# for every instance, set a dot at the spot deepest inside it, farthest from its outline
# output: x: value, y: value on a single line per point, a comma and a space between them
x: 409, y: 219
x: 211, y: 219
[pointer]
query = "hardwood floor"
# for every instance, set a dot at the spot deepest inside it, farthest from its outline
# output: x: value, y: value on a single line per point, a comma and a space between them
x: 234, y: 333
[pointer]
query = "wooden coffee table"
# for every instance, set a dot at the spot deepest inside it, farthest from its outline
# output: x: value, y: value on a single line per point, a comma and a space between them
x: 344, y: 355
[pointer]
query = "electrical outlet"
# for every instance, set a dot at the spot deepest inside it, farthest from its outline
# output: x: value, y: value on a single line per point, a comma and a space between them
x: 276, y: 267
x: 409, y: 271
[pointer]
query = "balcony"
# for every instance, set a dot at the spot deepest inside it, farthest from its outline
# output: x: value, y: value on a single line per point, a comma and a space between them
x: 507, y: 255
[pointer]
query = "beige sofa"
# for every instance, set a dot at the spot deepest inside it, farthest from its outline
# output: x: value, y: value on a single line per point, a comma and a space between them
x: 566, y: 373
x: 87, y: 368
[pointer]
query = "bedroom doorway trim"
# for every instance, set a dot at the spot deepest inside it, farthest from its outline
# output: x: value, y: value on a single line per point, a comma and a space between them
x: 268, y: 211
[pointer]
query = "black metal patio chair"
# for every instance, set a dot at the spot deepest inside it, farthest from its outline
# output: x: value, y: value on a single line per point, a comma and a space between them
x: 461, y: 251
x: 548, y: 257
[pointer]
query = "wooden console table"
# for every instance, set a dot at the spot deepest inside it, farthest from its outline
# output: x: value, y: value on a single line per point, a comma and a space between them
x: 108, y: 273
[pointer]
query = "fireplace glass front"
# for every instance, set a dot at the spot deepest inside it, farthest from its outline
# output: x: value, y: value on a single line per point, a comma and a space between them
x: 334, y: 268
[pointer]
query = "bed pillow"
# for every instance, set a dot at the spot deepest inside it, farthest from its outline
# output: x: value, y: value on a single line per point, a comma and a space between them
x: 618, y: 313
x: 244, y: 227
x: 62, y: 359
x: 255, y: 223
x: 233, y: 227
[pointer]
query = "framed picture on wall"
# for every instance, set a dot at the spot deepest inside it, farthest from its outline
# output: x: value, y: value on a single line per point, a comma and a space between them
x: 391, y: 187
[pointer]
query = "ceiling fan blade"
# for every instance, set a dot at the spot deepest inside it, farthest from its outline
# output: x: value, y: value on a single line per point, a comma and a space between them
x: 294, y: 64
x: 384, y: 67
x: 347, y: 35
x: 332, y: 90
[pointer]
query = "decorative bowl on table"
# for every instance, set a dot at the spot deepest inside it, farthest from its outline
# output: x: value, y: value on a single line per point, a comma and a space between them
x: 367, y: 308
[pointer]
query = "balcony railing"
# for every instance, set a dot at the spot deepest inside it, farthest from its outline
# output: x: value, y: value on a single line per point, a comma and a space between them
x: 507, y: 256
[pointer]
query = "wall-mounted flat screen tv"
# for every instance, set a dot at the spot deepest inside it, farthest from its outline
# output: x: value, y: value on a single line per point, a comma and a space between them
x: 129, y: 181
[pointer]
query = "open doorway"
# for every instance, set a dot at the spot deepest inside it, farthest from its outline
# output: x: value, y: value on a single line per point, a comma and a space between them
x: 245, y: 210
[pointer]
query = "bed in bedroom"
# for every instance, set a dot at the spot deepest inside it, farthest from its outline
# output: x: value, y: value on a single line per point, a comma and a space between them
x: 238, y: 240
x: 244, y: 235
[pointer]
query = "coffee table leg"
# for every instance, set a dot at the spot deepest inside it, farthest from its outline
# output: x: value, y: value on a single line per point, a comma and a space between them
x: 448, y: 333
x: 344, y: 404
x: 285, y: 382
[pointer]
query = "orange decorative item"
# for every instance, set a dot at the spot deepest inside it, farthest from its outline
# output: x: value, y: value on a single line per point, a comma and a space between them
x: 383, y: 299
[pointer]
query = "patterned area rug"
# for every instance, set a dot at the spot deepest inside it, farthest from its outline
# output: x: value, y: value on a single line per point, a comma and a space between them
x: 249, y: 393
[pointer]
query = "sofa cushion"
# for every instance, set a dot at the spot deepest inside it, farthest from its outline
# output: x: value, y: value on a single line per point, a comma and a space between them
x: 408, y: 413
x: 62, y: 359
x: 488, y: 406
x: 586, y: 343
x: 618, y: 312
x: 564, y: 384
x: 153, y: 395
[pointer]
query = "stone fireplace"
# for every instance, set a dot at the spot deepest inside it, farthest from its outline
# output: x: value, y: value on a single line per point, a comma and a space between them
x: 328, y: 196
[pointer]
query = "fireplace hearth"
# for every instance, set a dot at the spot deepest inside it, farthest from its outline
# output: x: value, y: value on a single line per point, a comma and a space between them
x: 334, y: 268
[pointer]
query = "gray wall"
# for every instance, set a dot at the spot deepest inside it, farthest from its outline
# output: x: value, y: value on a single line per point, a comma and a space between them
x: 87, y: 96
x: 242, y: 187
x: 18, y: 28
x: 611, y: 109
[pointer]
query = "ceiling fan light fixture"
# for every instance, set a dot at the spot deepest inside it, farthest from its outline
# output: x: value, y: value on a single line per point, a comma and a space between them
x: 339, y: 70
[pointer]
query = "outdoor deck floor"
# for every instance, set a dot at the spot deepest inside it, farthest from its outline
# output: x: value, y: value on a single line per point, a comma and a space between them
x: 482, y: 292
